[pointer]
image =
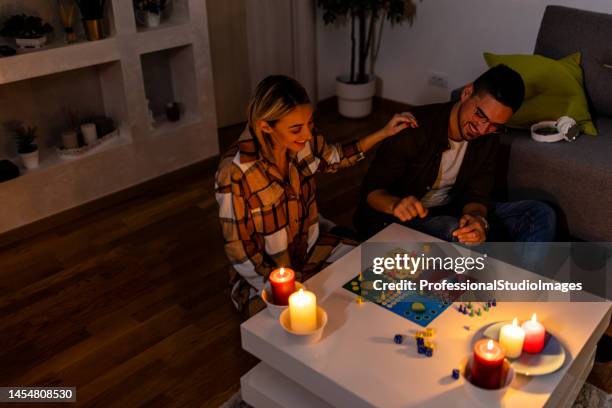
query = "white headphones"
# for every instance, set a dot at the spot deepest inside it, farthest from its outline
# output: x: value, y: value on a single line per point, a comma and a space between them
x: 565, y: 128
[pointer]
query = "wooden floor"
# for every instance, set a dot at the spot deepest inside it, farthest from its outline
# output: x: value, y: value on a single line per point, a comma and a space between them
x: 130, y: 303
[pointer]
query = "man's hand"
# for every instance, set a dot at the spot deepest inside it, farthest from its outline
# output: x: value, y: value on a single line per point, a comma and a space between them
x: 409, y: 208
x: 471, y: 230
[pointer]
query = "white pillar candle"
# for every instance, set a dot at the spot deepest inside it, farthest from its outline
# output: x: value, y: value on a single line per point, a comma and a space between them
x: 303, y: 311
x: 511, y: 337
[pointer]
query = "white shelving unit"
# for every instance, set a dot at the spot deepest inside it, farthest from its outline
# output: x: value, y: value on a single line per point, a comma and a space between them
x: 114, y: 77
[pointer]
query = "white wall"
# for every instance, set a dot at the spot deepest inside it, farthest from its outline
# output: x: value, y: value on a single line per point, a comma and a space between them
x: 448, y: 36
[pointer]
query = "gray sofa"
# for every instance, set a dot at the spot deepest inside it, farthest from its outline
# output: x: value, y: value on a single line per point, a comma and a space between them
x: 576, y: 178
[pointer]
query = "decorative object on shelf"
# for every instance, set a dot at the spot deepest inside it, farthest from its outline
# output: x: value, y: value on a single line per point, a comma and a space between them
x: 356, y: 90
x: 6, y: 51
x: 149, y: 12
x: 8, y: 170
x: 92, y: 13
x: 28, y: 31
x: 27, y: 149
x: 173, y: 112
x: 79, y: 152
x: 70, y: 139
x: 90, y: 134
x: 66, y: 11
x: 151, y: 116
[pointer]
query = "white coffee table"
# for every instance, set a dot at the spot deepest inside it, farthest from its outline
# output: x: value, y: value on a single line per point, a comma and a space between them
x: 356, y: 364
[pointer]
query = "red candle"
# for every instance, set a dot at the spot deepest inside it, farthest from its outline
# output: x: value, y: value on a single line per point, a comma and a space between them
x: 282, y: 281
x: 488, y: 364
x: 534, y: 335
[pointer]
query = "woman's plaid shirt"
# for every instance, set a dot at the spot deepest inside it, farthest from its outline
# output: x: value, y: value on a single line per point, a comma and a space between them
x: 267, y: 221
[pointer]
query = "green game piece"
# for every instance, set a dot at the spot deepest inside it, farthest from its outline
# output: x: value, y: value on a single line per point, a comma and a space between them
x: 418, y: 307
x: 478, y: 312
x: 472, y: 313
x: 469, y: 305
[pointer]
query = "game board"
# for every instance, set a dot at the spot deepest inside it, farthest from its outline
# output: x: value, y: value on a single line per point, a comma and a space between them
x: 401, y: 302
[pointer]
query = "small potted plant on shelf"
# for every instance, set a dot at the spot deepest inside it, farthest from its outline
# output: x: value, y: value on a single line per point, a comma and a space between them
x: 149, y: 12
x: 356, y: 90
x: 92, y: 13
x: 28, y: 31
x: 27, y: 149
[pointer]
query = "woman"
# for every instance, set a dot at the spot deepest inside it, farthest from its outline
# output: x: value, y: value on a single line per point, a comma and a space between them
x: 265, y: 187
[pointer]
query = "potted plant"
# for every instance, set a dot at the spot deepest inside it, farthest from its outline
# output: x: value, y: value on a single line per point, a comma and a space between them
x: 92, y: 13
x: 28, y: 31
x: 148, y: 12
x: 356, y: 89
x: 27, y: 149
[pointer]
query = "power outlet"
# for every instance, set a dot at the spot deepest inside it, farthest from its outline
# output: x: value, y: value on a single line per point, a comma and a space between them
x: 438, y: 79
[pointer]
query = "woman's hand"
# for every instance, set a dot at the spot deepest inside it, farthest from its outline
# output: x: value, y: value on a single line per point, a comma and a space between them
x: 399, y: 122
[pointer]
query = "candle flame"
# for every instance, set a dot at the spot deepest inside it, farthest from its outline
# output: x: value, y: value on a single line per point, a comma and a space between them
x: 282, y: 272
x: 515, y: 322
x: 301, y: 292
x: 533, y: 318
x: 490, y: 345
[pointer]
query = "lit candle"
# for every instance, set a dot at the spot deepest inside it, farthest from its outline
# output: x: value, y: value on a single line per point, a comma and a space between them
x: 488, y: 364
x: 534, y: 335
x: 282, y: 281
x: 511, y: 338
x: 303, y: 311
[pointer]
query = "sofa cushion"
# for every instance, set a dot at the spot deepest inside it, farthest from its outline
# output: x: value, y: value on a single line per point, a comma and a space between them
x: 566, y: 30
x: 553, y: 88
x: 576, y: 176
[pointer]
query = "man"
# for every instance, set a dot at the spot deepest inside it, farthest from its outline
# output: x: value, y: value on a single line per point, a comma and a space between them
x: 438, y: 178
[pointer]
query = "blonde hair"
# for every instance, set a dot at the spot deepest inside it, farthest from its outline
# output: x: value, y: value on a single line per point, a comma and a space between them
x: 275, y: 97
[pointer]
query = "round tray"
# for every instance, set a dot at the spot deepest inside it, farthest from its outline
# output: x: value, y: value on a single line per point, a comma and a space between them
x: 549, y: 360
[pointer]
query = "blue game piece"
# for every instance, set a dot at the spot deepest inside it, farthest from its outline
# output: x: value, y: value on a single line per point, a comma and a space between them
x: 428, y: 352
x: 456, y: 373
x: 398, y: 339
x: 420, y: 341
x: 494, y: 303
x: 421, y: 349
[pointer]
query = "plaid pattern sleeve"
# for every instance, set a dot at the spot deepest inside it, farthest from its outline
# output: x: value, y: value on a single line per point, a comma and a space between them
x: 242, y: 246
x: 336, y: 156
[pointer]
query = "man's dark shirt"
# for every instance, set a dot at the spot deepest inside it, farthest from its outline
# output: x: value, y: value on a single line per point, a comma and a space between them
x: 408, y: 164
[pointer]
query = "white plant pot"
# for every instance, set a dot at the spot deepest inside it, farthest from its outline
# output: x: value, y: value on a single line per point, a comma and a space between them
x: 31, y: 42
x: 152, y: 20
x: 355, y: 100
x: 30, y: 160
x: 90, y: 135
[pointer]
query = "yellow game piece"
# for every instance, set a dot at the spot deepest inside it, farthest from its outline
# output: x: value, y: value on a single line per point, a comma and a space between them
x: 430, y: 344
x: 360, y: 277
x: 430, y: 332
x: 359, y: 300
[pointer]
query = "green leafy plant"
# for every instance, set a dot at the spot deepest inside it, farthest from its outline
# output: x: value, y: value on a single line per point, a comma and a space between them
x: 91, y: 9
x: 151, y: 6
x: 365, y: 15
x: 24, y: 137
x: 24, y: 26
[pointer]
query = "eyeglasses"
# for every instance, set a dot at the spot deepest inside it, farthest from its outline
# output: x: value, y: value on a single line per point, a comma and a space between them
x: 483, y: 119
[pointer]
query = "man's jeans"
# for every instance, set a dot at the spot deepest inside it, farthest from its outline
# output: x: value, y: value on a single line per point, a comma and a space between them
x: 518, y: 221
x: 521, y: 221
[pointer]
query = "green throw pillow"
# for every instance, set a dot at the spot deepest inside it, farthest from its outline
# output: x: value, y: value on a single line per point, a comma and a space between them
x: 553, y: 88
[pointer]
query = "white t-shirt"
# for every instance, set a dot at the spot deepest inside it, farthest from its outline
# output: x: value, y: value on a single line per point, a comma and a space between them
x: 447, y: 174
